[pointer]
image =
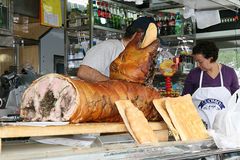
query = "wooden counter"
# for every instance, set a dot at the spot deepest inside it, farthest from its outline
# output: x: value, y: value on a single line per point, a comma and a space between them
x: 70, y: 129
x: 164, y: 150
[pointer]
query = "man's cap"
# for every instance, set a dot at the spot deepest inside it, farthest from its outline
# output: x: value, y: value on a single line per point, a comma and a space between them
x: 142, y: 23
x: 138, y: 25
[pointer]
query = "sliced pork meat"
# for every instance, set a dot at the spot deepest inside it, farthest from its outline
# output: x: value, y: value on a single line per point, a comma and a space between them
x: 55, y: 97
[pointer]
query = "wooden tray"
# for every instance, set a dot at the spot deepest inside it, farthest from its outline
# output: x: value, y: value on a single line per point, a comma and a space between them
x: 70, y: 129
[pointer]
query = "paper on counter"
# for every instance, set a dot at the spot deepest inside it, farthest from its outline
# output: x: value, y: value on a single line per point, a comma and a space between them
x: 39, y: 124
x: 84, y: 141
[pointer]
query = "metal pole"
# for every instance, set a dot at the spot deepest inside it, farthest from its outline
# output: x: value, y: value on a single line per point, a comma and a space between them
x: 16, y: 58
x: 65, y: 39
x: 91, y: 23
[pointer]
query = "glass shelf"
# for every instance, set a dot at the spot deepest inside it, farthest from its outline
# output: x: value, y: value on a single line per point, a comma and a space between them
x: 108, y: 29
x: 86, y: 28
x: 78, y: 28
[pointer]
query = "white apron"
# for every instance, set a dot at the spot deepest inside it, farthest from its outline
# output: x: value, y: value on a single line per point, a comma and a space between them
x: 210, y: 100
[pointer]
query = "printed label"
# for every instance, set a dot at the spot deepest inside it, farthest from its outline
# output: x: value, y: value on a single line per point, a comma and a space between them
x: 210, y: 104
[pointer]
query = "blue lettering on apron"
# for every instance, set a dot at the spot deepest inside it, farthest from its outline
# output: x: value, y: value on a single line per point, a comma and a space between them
x: 212, y: 104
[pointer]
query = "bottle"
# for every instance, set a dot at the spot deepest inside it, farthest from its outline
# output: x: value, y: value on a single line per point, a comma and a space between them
x: 107, y: 15
x: 99, y: 9
x: 135, y: 16
x: 160, y: 23
x: 95, y: 12
x: 171, y: 24
x: 113, y: 18
x: 103, y: 20
x: 118, y: 19
x: 127, y: 18
x: 165, y: 25
x: 155, y: 17
x: 178, y: 25
x: 80, y: 52
x: 187, y: 27
x: 110, y: 19
x: 123, y: 19
x: 71, y: 56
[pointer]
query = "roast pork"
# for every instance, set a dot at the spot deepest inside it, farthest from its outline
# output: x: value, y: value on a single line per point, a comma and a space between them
x: 135, y: 64
x: 55, y: 97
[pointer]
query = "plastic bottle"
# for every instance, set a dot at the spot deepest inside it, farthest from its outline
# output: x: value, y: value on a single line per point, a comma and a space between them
x: 178, y: 25
x: 165, y: 25
x: 95, y: 12
x: 171, y: 24
x: 123, y: 19
x: 188, y: 29
x: 103, y: 19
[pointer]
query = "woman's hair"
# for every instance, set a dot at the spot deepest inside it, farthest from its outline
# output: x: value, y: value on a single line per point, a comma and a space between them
x: 208, y: 49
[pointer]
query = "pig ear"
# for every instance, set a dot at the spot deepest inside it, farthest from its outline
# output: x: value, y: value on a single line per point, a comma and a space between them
x: 136, y: 40
x: 152, y: 48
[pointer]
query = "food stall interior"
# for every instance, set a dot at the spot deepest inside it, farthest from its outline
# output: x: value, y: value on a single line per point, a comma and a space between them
x: 29, y: 50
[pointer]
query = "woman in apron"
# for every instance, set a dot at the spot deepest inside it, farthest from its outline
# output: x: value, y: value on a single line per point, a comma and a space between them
x: 211, y: 84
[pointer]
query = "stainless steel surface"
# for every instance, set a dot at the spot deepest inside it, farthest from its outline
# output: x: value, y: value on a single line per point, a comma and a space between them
x: 164, y: 151
x: 218, y: 34
x: 112, y: 139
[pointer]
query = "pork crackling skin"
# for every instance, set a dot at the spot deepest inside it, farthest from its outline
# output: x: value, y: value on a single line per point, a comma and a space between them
x: 55, y: 97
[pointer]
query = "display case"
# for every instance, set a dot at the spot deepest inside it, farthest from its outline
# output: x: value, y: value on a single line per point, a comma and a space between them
x: 177, y: 38
x: 101, y: 20
x: 91, y: 22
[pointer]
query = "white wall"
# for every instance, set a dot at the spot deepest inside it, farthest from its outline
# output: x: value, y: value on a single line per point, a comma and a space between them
x: 51, y: 44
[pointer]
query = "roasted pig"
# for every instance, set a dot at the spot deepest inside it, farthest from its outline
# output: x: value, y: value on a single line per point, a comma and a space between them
x: 55, y: 97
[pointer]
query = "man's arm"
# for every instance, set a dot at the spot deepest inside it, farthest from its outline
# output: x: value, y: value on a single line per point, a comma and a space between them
x: 90, y: 74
